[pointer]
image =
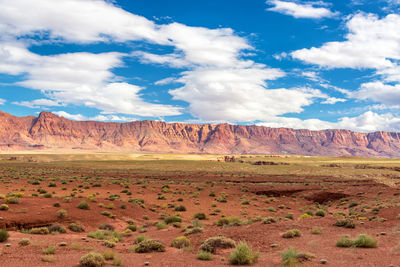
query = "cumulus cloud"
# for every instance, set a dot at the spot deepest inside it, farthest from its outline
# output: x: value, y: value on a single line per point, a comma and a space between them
x: 218, y: 81
x: 80, y: 117
x: 371, y: 43
x: 2, y: 101
x: 313, y: 10
x: 37, y: 103
x: 366, y: 122
x: 80, y: 79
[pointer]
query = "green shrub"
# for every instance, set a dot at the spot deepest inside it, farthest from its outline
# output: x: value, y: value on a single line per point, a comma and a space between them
x: 232, y: 221
x: 140, y: 238
x: 344, y: 242
x: 365, y: 241
x: 180, y: 208
x: 204, y: 255
x: 76, y: 228
x: 83, y: 205
x: 24, y: 242
x: 320, y: 213
x: 172, y: 219
x: 292, y: 233
x: 362, y: 241
x: 292, y: 257
x: 131, y: 227
x: 212, y: 243
x: 289, y: 216
x: 268, y: 220
x: 346, y: 223
x: 39, y: 231
x: 161, y: 225
x: 62, y: 213
x: 4, y: 235
x: 180, y: 242
x: 149, y: 245
x: 200, y: 216
x: 92, y: 259
x: 243, y: 255
x: 57, y: 228
x: 3, y: 207
x: 49, y: 250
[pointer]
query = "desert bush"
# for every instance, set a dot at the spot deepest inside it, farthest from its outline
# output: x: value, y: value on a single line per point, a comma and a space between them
x: 362, y: 241
x: 243, y: 255
x: 3, y: 207
x: 24, y: 242
x: 12, y: 200
x: 83, y: 205
x: 39, y: 231
x: 268, y: 220
x: 232, y: 221
x: 320, y: 213
x: 76, y: 228
x: 140, y: 238
x: 200, y: 216
x: 109, y: 244
x: 106, y: 226
x: 49, y: 250
x: 316, y: 230
x: 344, y: 242
x: 346, y: 223
x: 289, y: 216
x: 4, y: 235
x: 92, y: 259
x: 180, y: 208
x: 161, y: 225
x: 149, y: 245
x: 131, y: 227
x: 172, y: 219
x: 109, y: 254
x: 292, y: 257
x: 180, y: 242
x: 212, y: 243
x: 365, y: 241
x: 57, y: 228
x: 204, y: 255
x: 62, y: 213
x: 292, y: 233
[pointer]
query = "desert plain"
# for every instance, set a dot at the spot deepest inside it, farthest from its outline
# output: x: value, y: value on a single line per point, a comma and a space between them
x: 196, y: 210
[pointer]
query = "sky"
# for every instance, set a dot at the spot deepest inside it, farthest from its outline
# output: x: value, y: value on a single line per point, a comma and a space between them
x: 298, y: 64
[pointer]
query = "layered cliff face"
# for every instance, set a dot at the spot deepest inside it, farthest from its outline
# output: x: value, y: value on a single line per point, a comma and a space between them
x: 48, y: 131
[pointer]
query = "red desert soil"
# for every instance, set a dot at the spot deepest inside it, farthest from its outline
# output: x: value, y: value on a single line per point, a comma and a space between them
x: 267, y: 195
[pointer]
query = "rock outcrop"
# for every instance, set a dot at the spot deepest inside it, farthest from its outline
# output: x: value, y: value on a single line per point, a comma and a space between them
x: 49, y: 131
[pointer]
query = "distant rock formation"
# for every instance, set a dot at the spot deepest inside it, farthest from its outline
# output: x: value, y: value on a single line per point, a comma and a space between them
x: 49, y: 131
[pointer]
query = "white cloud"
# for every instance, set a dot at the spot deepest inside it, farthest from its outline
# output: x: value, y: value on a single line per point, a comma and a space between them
x: 83, y: 21
x: 371, y: 43
x: 80, y: 117
x: 333, y: 100
x: 366, y: 122
x: 379, y: 92
x: 313, y: 10
x: 37, y: 103
x: 219, y: 83
x: 2, y: 101
x: 79, y: 79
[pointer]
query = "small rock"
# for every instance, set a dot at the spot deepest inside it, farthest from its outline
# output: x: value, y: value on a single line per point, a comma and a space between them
x: 62, y: 244
x: 83, y: 238
x: 1, y: 218
x: 323, y: 261
x: 146, y: 263
x: 383, y: 233
x: 8, y: 245
x: 273, y: 245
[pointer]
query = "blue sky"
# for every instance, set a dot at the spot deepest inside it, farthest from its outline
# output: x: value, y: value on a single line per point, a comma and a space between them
x: 298, y: 64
